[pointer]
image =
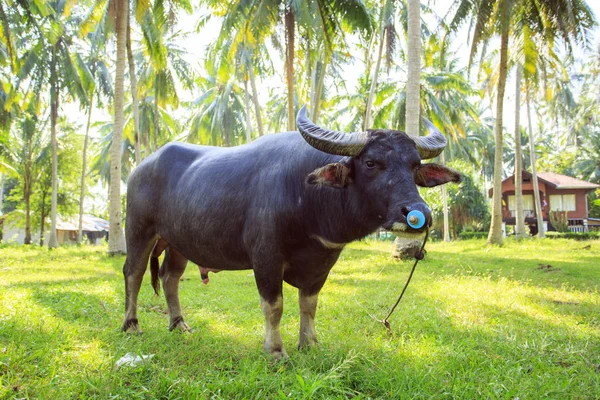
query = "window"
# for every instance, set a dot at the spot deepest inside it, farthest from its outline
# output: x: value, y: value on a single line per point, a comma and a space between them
x: 562, y: 202
x: 528, y: 208
x: 527, y: 202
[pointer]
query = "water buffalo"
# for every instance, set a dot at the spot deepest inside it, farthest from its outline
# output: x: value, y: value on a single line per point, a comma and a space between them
x: 284, y: 206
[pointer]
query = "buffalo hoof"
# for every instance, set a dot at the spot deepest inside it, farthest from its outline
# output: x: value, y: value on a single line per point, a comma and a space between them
x: 131, y: 326
x: 179, y: 325
x: 279, y: 355
x: 308, y: 343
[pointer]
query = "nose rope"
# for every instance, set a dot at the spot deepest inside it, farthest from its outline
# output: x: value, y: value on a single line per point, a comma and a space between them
x: 418, y: 256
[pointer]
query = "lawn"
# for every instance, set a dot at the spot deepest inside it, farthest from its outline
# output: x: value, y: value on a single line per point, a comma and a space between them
x: 476, y: 322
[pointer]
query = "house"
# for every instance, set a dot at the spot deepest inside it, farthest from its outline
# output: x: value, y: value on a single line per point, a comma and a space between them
x: 558, y: 192
x: 94, y: 230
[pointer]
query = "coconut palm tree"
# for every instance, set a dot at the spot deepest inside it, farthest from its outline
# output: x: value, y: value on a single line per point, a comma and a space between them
x: 320, y: 19
x: 220, y: 117
x: 98, y: 84
x: 53, y: 49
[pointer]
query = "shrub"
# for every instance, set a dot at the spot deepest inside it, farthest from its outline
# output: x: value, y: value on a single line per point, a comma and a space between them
x: 560, y: 220
x: 573, y: 235
x: 466, y: 235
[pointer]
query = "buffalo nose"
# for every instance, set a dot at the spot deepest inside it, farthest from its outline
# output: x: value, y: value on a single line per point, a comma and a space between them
x: 417, y: 216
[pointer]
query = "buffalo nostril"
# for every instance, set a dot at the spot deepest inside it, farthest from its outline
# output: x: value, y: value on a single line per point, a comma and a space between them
x: 405, y: 210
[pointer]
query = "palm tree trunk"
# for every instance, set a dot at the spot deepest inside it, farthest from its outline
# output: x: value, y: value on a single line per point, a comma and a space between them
x: 290, y: 27
x: 495, y: 235
x: 446, y: 232
x: 319, y: 90
x: 373, y: 85
x: 134, y: 98
x: 27, y: 200
x: 43, y: 219
x: 247, y: 101
x: 116, y: 242
x: 1, y: 191
x: 536, y: 189
x: 404, y: 247
x: 53, y: 240
x: 83, y: 170
x: 413, y: 83
x: 520, y: 218
x: 156, y: 126
x: 256, y: 103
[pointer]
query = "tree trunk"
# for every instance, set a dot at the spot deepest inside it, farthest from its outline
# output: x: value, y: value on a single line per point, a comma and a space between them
x: 134, y: 98
x: 1, y: 191
x: 519, y: 214
x: 413, y: 83
x: 446, y: 232
x: 406, y: 248
x: 319, y: 90
x: 256, y: 103
x: 43, y: 218
x: 27, y: 200
x: 53, y: 240
x: 247, y: 101
x: 373, y: 85
x: 83, y: 170
x: 290, y: 27
x: 116, y: 242
x: 156, y: 125
x: 495, y: 235
x: 536, y: 189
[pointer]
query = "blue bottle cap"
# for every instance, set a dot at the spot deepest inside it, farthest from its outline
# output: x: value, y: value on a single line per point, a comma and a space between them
x: 415, y: 219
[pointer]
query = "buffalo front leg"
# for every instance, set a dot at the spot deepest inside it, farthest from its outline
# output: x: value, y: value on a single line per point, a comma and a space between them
x: 308, y: 309
x: 171, y: 271
x: 269, y: 282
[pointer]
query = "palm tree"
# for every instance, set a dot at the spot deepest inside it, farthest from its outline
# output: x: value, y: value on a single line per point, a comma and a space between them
x: 220, y: 118
x: 387, y: 34
x: 519, y: 217
x: 116, y: 239
x: 52, y: 51
x: 413, y: 97
x: 97, y: 83
x: 321, y: 20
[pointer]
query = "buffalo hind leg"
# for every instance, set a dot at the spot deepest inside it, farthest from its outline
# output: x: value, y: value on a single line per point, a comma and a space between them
x: 308, y: 309
x: 138, y: 251
x: 269, y: 283
x: 171, y: 271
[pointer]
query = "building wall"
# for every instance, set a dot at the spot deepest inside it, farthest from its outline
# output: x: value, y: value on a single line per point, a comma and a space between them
x: 580, y: 201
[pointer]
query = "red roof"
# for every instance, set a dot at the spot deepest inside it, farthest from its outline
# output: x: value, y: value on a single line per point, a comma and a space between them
x: 557, y: 181
x: 565, y: 182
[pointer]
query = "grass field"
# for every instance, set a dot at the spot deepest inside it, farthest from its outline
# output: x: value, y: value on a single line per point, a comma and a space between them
x: 476, y: 322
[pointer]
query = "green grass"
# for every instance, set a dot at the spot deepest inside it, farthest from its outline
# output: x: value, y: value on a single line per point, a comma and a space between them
x: 476, y: 322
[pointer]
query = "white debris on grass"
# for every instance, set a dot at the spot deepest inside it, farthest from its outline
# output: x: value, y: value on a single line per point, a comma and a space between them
x: 131, y: 360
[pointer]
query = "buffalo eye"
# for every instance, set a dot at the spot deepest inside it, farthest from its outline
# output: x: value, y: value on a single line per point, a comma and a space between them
x: 370, y: 164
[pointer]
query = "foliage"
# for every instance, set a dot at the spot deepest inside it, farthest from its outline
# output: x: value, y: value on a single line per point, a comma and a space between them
x: 466, y: 235
x: 467, y: 204
x: 573, y: 235
x: 594, y: 204
x: 560, y: 220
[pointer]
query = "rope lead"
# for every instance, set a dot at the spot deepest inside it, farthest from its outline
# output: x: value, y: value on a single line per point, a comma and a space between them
x: 418, y: 256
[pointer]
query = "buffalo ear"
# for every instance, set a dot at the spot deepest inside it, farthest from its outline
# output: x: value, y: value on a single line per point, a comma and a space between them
x: 335, y: 175
x: 429, y: 175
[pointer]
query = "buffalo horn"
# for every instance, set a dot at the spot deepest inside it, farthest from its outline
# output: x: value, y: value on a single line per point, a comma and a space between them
x: 432, y: 145
x: 332, y: 142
